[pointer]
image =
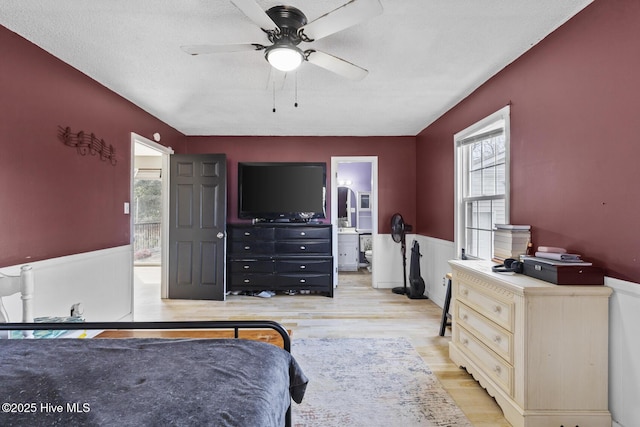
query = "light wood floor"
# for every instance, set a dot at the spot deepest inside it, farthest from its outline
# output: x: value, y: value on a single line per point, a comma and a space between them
x: 357, y: 310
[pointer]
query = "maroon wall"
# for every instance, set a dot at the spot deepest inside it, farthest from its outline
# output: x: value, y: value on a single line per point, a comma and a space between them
x: 54, y: 202
x: 574, y: 140
x: 396, y: 164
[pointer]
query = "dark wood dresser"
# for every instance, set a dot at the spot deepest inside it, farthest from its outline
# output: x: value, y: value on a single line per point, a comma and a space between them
x: 280, y: 257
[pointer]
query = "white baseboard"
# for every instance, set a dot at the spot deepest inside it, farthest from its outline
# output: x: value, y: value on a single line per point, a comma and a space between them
x: 100, y: 280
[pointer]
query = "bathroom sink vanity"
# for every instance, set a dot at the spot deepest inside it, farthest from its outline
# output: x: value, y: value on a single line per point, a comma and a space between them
x: 348, y: 249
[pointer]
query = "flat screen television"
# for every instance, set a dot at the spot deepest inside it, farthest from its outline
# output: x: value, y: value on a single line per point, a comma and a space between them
x: 282, y: 191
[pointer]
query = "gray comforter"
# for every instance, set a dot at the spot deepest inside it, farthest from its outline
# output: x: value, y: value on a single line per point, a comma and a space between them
x: 147, y: 382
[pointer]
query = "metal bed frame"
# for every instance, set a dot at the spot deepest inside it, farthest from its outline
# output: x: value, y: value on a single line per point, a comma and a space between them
x: 169, y: 325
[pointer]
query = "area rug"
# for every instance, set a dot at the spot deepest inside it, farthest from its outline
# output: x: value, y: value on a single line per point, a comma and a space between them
x: 370, y: 382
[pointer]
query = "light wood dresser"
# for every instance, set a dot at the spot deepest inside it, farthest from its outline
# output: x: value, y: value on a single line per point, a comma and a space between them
x: 541, y: 350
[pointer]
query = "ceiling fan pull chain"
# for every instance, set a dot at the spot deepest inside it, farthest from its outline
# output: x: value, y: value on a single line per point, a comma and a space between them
x: 274, y: 97
x: 296, y: 100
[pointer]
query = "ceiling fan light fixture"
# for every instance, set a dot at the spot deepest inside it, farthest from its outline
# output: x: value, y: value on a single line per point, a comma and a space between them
x: 284, y: 57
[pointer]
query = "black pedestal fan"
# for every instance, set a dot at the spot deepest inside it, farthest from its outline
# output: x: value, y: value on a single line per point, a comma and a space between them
x: 398, y: 233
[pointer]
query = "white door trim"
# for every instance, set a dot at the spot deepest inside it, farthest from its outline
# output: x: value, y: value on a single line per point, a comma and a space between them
x: 334, y: 207
x: 164, y: 230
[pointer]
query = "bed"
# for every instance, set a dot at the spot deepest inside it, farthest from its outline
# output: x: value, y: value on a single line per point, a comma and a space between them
x: 149, y: 381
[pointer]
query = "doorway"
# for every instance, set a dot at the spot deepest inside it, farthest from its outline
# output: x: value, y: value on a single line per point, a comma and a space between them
x: 149, y: 217
x: 354, y: 213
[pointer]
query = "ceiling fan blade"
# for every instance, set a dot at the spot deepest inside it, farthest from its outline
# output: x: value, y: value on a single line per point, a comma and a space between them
x: 201, y: 49
x: 336, y: 65
x: 254, y: 12
x: 347, y: 15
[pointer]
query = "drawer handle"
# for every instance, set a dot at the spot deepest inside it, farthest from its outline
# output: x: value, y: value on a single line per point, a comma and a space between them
x: 246, y: 267
x: 497, y: 309
x: 497, y: 339
x: 464, y: 292
x: 465, y: 317
x: 497, y: 369
x: 246, y: 280
x: 247, y: 248
x: 303, y: 267
x: 302, y: 248
x: 246, y: 233
x: 302, y: 233
x: 303, y: 281
x: 465, y: 341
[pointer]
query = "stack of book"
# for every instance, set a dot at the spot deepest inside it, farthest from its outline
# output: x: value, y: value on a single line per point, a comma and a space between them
x: 558, y: 256
x: 510, y: 241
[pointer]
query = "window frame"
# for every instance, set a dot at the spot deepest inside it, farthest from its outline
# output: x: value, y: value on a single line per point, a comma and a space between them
x: 460, y: 168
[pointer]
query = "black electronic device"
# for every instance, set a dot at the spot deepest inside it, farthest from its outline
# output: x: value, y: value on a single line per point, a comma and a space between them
x: 282, y: 191
x: 510, y: 266
x: 563, y: 273
x: 416, y: 282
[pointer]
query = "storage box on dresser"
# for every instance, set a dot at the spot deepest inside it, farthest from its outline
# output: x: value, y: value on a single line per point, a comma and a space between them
x: 541, y: 350
x: 279, y: 257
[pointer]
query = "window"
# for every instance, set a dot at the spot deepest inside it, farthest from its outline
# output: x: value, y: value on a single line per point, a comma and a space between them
x: 364, y: 201
x: 482, y: 183
x: 147, y: 215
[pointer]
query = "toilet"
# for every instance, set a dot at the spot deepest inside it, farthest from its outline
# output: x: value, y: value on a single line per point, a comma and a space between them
x: 366, y: 245
x: 368, y: 255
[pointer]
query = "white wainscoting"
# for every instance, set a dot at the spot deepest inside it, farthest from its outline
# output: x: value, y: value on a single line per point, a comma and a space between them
x: 624, y: 352
x: 433, y: 264
x: 100, y: 280
x: 387, y: 262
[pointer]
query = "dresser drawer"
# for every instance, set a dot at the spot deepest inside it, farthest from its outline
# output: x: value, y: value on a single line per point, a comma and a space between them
x: 304, y: 266
x: 259, y: 248
x: 251, y: 233
x: 488, y: 303
x: 290, y: 233
x: 304, y: 281
x: 251, y: 266
x: 303, y: 247
x: 493, y: 336
x: 491, y: 364
x: 248, y: 281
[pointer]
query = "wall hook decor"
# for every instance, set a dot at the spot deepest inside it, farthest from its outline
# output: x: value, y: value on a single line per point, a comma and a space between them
x: 87, y: 144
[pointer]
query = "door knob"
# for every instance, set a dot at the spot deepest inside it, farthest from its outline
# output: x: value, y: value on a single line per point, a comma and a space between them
x: 220, y: 235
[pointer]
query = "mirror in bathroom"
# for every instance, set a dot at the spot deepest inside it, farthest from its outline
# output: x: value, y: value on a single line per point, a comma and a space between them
x: 346, y: 207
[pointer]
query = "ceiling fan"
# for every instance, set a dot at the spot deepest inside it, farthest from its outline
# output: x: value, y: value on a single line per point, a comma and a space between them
x: 286, y: 27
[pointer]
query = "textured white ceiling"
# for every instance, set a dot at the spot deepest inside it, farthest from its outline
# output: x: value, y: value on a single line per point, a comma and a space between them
x: 423, y: 57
